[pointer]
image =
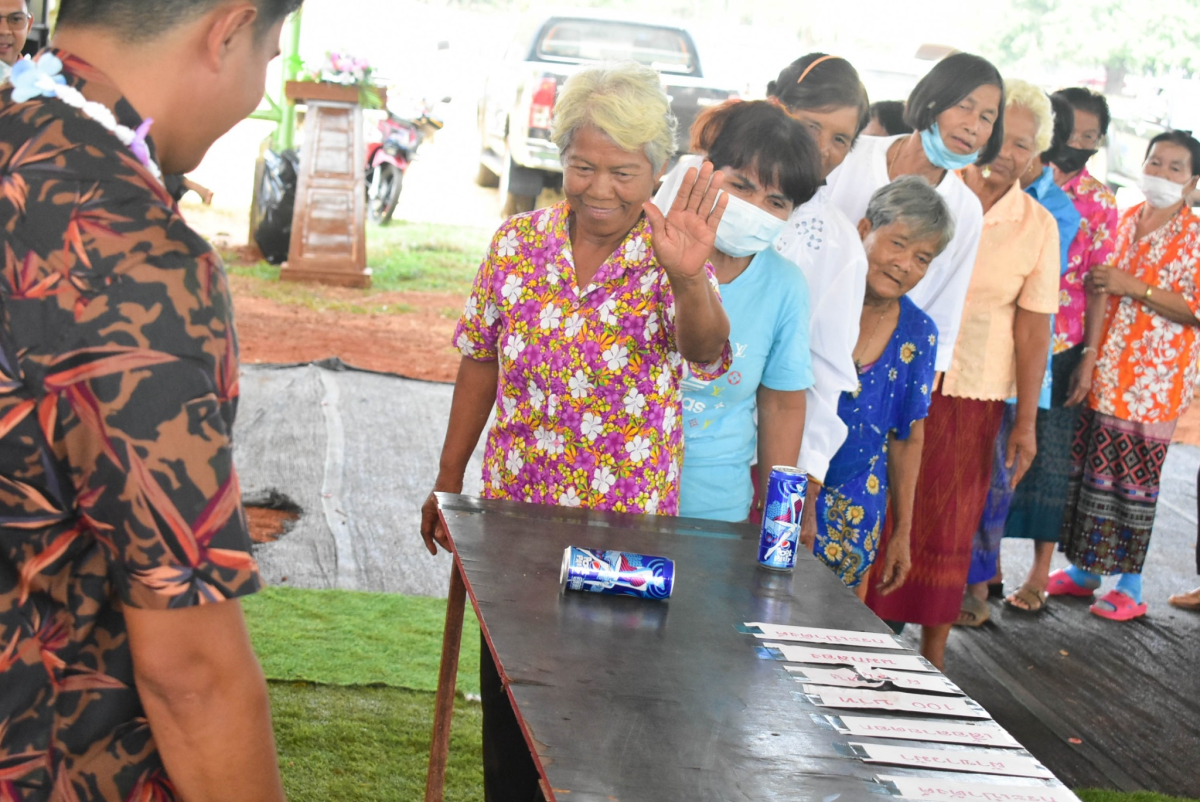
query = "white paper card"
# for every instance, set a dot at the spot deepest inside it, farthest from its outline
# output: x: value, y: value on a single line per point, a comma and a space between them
x: 808, y: 654
x: 873, y: 678
x: 833, y: 637
x: 974, y: 761
x: 949, y: 732
x: 922, y: 788
x: 890, y: 700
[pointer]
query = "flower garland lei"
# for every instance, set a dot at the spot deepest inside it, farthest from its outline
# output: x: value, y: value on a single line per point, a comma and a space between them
x: 43, y: 78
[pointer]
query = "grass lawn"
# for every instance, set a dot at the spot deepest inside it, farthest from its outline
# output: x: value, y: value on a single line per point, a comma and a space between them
x: 405, y: 257
x: 351, y: 677
x: 369, y: 744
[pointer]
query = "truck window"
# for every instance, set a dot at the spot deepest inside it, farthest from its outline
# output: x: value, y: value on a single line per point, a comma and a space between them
x: 576, y: 41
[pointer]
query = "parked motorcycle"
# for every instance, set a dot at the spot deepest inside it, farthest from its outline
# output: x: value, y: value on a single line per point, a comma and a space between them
x: 388, y: 159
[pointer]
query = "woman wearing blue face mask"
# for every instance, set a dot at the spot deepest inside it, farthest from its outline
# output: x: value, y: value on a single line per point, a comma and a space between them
x: 957, y: 113
x: 771, y: 166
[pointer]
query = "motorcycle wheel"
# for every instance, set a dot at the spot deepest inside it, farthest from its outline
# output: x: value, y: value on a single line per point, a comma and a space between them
x: 383, y: 193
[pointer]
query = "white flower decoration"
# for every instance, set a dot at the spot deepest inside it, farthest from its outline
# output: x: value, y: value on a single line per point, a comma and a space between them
x: 635, y: 249
x: 515, y: 461
x: 511, y: 289
x: 514, y: 346
x: 638, y: 449
x: 616, y: 357
x: 579, y: 385
x: 635, y: 404
x: 591, y: 426
x: 603, y: 480
x: 569, y: 498
x: 508, y: 244
x: 573, y: 325
x: 549, y: 318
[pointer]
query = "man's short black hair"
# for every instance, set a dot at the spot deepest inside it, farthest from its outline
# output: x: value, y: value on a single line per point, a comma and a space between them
x: 141, y: 20
x: 758, y: 134
x: 1089, y: 101
x: 950, y: 81
x: 1183, y: 139
x: 890, y: 114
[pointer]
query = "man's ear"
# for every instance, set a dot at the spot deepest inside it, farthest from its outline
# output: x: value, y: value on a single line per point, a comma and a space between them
x: 864, y: 228
x: 226, y: 26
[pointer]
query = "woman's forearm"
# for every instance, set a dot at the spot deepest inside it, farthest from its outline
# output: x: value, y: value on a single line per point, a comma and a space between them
x: 701, y: 325
x: 903, y: 470
x: 1093, y: 319
x: 1031, y: 334
x: 780, y: 431
x: 474, y: 397
x: 1170, y: 305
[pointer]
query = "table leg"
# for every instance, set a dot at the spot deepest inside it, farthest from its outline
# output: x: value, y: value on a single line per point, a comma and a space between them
x: 443, y: 714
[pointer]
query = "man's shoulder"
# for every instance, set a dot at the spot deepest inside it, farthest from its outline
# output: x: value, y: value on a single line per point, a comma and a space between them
x: 47, y: 140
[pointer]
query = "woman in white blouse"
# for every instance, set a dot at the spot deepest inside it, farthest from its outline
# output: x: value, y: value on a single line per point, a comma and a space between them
x: 957, y: 113
x: 825, y: 93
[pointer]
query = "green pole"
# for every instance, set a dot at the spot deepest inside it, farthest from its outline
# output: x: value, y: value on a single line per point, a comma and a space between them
x: 291, y: 71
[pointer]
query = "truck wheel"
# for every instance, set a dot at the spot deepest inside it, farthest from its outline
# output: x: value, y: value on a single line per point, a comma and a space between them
x: 519, y: 188
x: 486, y: 178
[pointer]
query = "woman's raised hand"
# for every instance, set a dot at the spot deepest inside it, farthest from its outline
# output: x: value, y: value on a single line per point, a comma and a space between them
x: 683, y: 239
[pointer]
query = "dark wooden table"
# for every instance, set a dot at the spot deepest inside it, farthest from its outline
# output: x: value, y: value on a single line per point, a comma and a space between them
x: 640, y: 701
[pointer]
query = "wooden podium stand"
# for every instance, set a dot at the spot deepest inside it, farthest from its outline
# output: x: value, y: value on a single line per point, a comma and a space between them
x: 329, y: 234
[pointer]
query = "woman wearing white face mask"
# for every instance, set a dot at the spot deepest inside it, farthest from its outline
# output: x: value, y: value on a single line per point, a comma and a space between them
x: 771, y: 166
x: 1141, y: 385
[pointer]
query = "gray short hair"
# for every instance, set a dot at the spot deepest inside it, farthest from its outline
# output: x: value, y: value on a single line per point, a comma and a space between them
x: 912, y: 201
x: 626, y: 102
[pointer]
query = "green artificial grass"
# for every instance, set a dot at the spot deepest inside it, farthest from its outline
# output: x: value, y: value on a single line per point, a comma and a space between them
x: 338, y: 637
x: 1101, y: 795
x: 369, y: 744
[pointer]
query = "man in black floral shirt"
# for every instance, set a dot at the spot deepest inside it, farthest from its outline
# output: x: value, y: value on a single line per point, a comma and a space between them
x: 125, y: 668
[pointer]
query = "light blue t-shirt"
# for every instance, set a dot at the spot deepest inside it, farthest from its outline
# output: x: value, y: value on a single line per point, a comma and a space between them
x: 767, y: 307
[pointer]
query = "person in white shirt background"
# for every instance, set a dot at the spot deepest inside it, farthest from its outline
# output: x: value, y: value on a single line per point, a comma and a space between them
x: 825, y: 94
x: 15, y: 24
x: 957, y: 113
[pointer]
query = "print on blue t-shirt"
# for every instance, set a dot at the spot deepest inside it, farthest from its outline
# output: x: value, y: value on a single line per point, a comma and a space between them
x: 768, y: 314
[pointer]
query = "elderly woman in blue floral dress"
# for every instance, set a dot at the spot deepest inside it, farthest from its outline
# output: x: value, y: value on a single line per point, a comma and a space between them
x: 907, y: 225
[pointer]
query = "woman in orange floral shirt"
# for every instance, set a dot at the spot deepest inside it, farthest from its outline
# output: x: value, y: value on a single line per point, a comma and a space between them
x: 1142, y: 383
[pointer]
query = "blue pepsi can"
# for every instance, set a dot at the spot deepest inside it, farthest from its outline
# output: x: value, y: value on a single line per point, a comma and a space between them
x: 781, y: 518
x: 617, y: 573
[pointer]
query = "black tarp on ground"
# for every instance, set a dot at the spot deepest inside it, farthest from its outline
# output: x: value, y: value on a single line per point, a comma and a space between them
x: 358, y: 452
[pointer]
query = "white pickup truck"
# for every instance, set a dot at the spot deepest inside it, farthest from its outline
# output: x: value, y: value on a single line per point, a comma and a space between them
x: 515, y: 110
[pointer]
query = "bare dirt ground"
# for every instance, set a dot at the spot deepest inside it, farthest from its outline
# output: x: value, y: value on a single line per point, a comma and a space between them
x: 414, y: 344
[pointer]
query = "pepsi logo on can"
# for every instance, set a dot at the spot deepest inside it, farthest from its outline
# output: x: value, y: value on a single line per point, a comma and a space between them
x: 617, y: 573
x: 782, y: 512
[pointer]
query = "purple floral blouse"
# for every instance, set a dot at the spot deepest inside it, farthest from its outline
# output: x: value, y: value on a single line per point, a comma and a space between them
x: 588, y: 399
x: 1092, y: 246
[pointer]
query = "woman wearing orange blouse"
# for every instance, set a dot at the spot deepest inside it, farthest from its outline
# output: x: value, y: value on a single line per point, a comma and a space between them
x: 1000, y: 351
x: 1141, y: 385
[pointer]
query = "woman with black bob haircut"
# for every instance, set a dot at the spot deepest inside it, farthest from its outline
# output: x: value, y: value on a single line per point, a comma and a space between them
x: 770, y: 165
x: 957, y: 113
x: 824, y: 93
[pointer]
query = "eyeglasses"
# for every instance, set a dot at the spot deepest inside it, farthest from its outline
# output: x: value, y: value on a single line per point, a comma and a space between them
x: 16, y: 20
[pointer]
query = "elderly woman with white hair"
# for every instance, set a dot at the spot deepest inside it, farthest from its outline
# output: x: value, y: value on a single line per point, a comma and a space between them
x: 1000, y: 350
x: 578, y: 325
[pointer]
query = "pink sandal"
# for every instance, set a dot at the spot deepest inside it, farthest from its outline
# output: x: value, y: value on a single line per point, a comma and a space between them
x: 1061, y: 584
x: 1124, y: 608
